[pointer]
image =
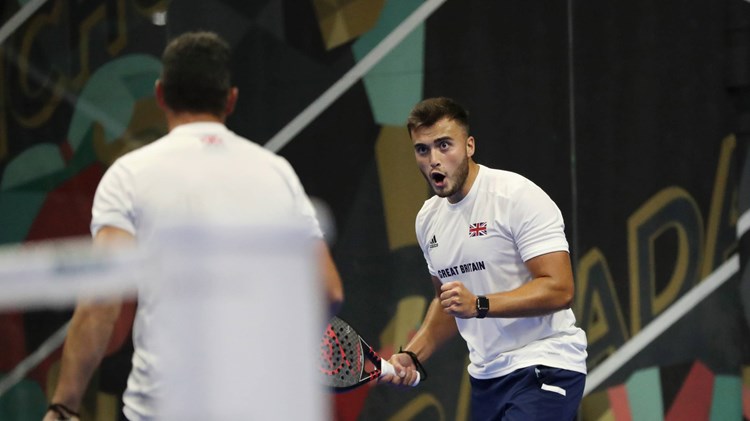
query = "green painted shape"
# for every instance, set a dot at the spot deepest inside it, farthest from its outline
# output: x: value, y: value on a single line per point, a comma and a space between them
x: 20, y: 205
x: 37, y: 161
x: 141, y: 85
x: 48, y: 180
x: 726, y: 402
x: 84, y: 156
x: 109, y: 95
x: 644, y: 395
x: 19, y: 209
x: 394, y: 85
x: 23, y: 402
x: 41, y: 167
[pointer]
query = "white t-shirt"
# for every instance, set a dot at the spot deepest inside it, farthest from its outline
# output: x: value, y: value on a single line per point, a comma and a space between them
x: 201, y: 172
x: 483, y: 241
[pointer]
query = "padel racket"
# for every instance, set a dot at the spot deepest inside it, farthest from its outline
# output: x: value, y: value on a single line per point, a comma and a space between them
x: 344, y: 357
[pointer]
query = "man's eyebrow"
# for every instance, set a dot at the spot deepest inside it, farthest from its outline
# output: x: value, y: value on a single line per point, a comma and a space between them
x: 442, y: 138
x: 433, y: 141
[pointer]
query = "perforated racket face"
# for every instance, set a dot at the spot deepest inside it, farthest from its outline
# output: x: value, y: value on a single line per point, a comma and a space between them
x: 341, y: 359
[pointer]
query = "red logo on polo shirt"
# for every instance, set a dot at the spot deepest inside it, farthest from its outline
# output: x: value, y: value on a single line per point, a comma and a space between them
x: 211, y: 139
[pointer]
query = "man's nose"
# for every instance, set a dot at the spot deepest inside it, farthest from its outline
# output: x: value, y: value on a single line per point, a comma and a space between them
x: 434, y: 159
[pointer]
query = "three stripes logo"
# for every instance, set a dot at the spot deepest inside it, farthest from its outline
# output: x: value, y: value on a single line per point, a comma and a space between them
x: 433, y: 242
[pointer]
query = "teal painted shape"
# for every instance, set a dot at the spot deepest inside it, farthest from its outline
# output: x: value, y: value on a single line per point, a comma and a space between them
x: 726, y: 402
x: 109, y: 95
x: 37, y: 161
x: 644, y: 395
x: 84, y: 155
x: 18, y: 210
x: 20, y: 203
x: 394, y: 85
x: 24, y: 402
x: 108, y: 98
x: 142, y: 84
x: 42, y: 168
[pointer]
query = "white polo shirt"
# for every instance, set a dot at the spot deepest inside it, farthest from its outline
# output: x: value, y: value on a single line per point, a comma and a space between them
x: 201, y: 172
x: 483, y: 241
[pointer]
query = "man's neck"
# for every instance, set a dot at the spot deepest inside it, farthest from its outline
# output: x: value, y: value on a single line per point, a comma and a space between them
x: 466, y: 186
x: 178, y: 119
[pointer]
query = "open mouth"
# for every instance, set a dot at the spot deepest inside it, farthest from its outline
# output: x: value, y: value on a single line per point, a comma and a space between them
x: 438, y: 179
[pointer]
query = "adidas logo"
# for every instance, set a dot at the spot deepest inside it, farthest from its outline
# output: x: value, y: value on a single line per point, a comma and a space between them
x: 433, y: 242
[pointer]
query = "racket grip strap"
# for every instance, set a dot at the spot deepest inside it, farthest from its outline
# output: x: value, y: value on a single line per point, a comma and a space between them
x: 415, y: 360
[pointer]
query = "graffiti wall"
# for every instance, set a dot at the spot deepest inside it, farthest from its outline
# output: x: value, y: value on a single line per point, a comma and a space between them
x: 631, y: 115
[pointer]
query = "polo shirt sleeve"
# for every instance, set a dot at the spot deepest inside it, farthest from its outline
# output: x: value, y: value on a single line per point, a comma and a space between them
x: 113, y: 201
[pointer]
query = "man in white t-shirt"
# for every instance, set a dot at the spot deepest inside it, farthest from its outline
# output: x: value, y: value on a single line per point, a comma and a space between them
x: 495, y: 246
x: 200, y: 171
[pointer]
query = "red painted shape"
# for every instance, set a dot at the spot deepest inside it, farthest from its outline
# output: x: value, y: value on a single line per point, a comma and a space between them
x: 746, y: 402
x: 386, y: 352
x: 618, y: 400
x: 66, y: 212
x: 66, y: 151
x: 693, y: 401
x: 348, y: 406
x: 12, y: 340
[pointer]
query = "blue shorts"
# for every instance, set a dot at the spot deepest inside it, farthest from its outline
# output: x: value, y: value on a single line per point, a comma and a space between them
x: 530, y: 394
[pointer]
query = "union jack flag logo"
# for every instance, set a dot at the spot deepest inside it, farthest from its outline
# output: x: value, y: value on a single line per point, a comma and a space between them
x: 477, y: 230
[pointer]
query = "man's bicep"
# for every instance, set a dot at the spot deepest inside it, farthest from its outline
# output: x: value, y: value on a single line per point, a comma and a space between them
x: 554, y: 264
x: 554, y: 276
x: 436, y: 284
x: 109, y: 236
x: 332, y: 285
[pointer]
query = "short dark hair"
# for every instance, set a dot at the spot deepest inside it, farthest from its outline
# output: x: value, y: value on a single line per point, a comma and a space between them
x: 195, y: 73
x: 429, y: 111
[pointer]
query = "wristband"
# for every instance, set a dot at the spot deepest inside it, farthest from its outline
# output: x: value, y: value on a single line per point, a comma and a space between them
x: 416, y: 362
x: 62, y: 411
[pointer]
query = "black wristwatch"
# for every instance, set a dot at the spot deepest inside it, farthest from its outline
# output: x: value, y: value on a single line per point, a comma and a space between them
x: 483, y: 306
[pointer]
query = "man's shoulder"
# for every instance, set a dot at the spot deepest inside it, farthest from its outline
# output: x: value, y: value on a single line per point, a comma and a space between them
x: 505, y: 176
x: 429, y: 208
x: 503, y: 182
x: 432, y: 203
x: 141, y: 153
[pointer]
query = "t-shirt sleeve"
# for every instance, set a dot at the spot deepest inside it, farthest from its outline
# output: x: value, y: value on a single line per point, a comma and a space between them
x: 537, y: 223
x: 113, y: 201
x: 419, y: 229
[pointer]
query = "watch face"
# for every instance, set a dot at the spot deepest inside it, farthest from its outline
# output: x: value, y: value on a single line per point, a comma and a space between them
x: 483, y: 305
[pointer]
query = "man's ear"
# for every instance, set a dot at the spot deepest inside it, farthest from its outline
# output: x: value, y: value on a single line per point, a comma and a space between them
x: 232, y: 96
x: 159, y: 92
x: 470, y: 146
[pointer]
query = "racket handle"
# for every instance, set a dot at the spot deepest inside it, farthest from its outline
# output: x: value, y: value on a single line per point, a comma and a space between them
x: 387, y: 368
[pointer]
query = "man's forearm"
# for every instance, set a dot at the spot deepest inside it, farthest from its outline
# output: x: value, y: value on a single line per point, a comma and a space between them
x: 85, y: 346
x: 436, y: 329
